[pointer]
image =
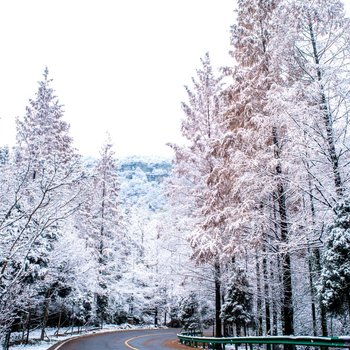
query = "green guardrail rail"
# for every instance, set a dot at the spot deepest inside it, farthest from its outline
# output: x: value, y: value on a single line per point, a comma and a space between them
x: 292, y: 341
x: 192, y: 333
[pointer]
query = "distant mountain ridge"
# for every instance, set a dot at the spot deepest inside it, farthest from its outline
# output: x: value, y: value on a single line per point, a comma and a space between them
x: 155, y: 169
x: 140, y: 180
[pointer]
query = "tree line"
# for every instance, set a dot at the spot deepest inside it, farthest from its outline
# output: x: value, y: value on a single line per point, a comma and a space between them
x: 81, y: 246
x: 71, y: 253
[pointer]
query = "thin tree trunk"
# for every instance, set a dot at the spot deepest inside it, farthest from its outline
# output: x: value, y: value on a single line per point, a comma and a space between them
x: 156, y: 317
x: 218, y: 324
x: 238, y: 330
x: 28, y: 326
x: 266, y: 295
x: 224, y: 322
x: 312, y: 292
x: 315, y: 264
x: 258, y: 296
x: 276, y: 295
x: 274, y: 306
x: 23, y: 322
x: 46, y: 313
x: 59, y: 322
x: 323, y: 313
x: 288, y: 313
x: 310, y: 255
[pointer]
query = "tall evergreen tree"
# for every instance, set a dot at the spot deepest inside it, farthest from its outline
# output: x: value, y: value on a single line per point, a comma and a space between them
x: 196, y: 163
x: 103, y: 224
x: 335, y: 278
x: 238, y: 305
x: 312, y: 49
x: 257, y: 144
x: 44, y: 192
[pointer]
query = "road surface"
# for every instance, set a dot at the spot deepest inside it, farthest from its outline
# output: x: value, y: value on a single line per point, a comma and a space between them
x: 155, y: 339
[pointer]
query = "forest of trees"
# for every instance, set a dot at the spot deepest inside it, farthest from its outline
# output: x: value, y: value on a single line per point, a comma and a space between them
x: 248, y: 234
x: 266, y: 170
x: 82, y: 240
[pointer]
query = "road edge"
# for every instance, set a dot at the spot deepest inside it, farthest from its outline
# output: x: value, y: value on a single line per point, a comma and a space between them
x: 60, y: 343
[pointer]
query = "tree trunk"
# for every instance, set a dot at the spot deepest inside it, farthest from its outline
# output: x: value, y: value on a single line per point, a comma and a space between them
x: 46, y: 313
x: 224, y: 322
x: 156, y: 316
x: 258, y: 296
x: 23, y: 324
x: 311, y: 254
x: 266, y: 295
x: 28, y: 326
x: 238, y: 330
x: 275, y: 276
x: 288, y: 314
x: 323, y: 313
x: 288, y: 321
x: 274, y: 306
x: 59, y: 322
x: 312, y: 292
x: 218, y: 324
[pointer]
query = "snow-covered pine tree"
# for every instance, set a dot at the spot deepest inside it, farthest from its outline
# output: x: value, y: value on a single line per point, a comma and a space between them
x: 193, y: 312
x: 335, y: 277
x: 104, y: 228
x: 42, y: 195
x: 312, y: 49
x: 257, y: 146
x: 237, y: 308
x: 195, y: 163
x: 43, y: 136
x: 189, y: 311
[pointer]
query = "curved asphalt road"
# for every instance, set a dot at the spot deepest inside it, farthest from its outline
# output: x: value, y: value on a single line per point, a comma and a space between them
x: 155, y: 339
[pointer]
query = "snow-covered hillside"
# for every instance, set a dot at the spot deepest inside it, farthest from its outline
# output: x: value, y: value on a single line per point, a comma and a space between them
x: 141, y: 181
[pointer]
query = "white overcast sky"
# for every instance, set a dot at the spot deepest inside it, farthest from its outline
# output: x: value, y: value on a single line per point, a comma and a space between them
x: 118, y: 65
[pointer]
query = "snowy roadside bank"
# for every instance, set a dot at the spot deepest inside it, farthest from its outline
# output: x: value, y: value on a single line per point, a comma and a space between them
x: 65, y: 334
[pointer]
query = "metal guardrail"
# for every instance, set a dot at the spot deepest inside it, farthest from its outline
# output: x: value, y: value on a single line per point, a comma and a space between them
x: 209, y: 342
x: 192, y: 333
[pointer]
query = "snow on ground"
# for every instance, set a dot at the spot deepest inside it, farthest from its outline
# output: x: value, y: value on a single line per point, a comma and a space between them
x: 53, y: 339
